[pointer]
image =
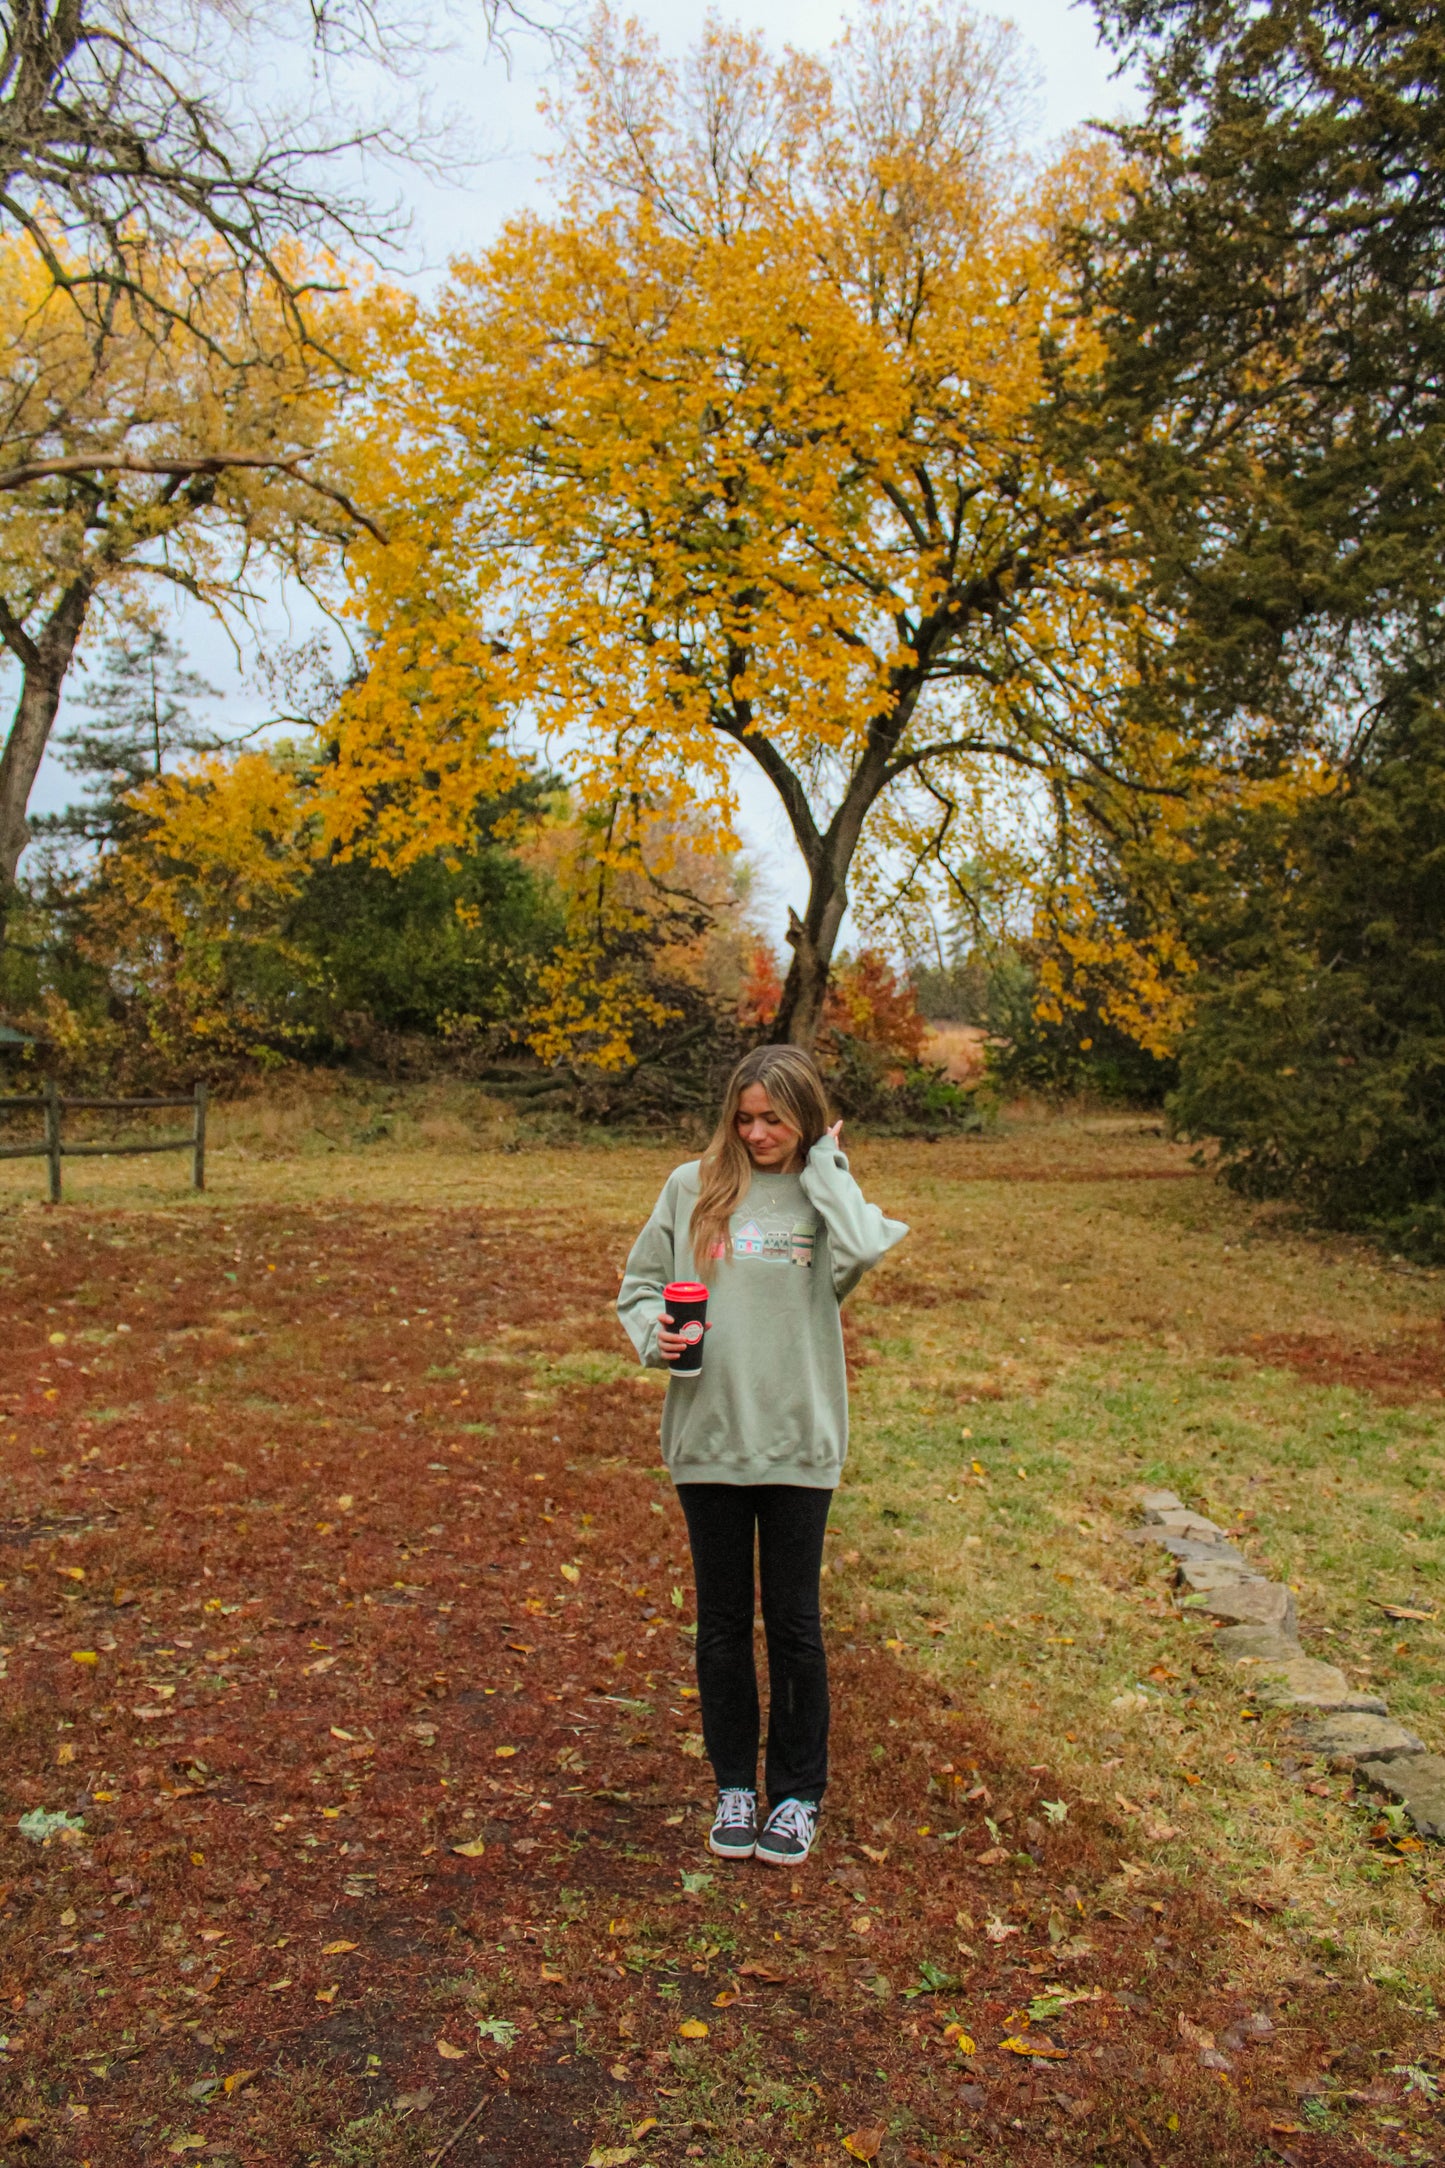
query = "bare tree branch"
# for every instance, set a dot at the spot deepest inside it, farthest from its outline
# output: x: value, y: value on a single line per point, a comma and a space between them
x: 39, y: 470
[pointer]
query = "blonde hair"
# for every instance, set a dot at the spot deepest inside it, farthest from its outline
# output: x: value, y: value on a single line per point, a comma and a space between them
x: 795, y: 1087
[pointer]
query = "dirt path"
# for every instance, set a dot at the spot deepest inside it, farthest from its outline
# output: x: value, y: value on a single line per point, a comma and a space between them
x: 357, y: 1639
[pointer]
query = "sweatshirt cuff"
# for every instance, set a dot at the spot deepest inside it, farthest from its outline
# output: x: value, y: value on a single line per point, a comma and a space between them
x: 827, y: 1153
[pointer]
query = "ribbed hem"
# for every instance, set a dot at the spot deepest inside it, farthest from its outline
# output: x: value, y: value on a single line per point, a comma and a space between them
x: 772, y: 1472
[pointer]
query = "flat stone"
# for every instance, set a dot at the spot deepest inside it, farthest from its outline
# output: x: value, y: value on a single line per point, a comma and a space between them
x: 1418, y: 1782
x: 1247, y: 1603
x: 1367, y: 1738
x: 1210, y: 1573
x: 1300, y: 1682
x: 1161, y: 1501
x: 1274, y: 1644
x: 1208, y: 1554
x: 1185, y: 1523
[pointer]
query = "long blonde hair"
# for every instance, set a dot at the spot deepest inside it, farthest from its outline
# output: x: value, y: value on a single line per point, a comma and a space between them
x: 795, y: 1087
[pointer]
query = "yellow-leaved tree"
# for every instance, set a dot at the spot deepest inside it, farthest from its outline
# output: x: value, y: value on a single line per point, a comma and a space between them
x: 152, y: 456
x: 744, y: 452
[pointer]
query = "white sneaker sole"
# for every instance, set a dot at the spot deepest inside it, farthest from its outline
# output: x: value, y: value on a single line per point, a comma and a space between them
x: 780, y: 1859
x: 731, y: 1851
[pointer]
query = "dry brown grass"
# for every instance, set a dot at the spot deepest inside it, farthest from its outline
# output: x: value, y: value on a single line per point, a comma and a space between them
x: 1078, y: 1303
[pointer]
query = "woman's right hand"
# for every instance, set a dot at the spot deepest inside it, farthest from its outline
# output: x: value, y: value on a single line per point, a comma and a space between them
x: 670, y: 1344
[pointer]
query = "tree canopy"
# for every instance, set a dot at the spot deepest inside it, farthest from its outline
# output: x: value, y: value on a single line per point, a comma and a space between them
x: 148, y: 464
x: 743, y: 452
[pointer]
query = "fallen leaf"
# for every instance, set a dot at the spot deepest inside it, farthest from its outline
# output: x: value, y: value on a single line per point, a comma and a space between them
x: 419, y: 2101
x: 336, y: 1949
x: 571, y: 1573
x: 1288, y: 2130
x: 862, y: 1925
x: 692, y: 2028
x: 450, y: 2054
x: 999, y: 1930
x: 1391, y: 1610
x: 472, y: 1849
x: 193, y: 2144
x: 550, y: 1972
x: 1160, y: 1832
x: 1028, y: 2044
x: 1196, y: 2035
x: 84, y: 1656
x: 864, y: 2144
x: 871, y: 1852
x: 994, y: 1856
x: 619, y: 2071
x: 728, y: 1996
x: 649, y: 2122
x: 71, y: 1573
x: 322, y: 1663
x: 338, y: 1733
x: 752, y: 1970
x: 504, y: 1753
x: 611, y: 2156
x: 619, y: 1927
x: 961, y: 2040
x: 328, y: 1994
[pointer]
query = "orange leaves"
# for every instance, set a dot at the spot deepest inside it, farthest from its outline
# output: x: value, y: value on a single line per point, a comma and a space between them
x: 1035, y: 2044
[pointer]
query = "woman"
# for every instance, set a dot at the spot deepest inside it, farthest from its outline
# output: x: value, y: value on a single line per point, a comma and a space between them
x: 772, y: 1221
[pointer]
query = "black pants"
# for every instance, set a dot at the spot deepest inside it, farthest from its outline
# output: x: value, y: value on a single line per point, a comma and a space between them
x: 789, y: 1520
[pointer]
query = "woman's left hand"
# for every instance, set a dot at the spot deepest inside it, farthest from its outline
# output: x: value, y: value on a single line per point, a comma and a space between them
x: 836, y: 1133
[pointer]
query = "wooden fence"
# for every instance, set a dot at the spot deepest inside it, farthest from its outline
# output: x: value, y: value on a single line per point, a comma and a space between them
x: 54, y: 1148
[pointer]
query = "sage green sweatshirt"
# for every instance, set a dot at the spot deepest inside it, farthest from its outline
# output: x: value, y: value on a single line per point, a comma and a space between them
x: 771, y: 1403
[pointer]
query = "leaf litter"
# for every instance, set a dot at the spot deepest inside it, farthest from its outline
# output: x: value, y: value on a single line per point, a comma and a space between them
x: 288, y: 1753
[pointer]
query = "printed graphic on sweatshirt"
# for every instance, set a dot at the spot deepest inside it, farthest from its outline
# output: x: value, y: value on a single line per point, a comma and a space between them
x: 775, y: 1240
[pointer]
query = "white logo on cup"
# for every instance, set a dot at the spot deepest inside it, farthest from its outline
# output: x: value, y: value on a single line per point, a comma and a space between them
x: 691, y: 1333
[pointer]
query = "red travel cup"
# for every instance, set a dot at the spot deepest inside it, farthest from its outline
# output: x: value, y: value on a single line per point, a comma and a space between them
x: 686, y: 1304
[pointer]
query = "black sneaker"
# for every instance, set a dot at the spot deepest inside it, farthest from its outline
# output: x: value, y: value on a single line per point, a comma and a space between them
x: 734, y: 1832
x: 788, y: 1833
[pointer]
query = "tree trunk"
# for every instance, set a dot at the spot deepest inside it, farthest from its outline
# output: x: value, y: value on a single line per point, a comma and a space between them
x: 828, y: 857
x: 44, y: 661
x: 812, y: 939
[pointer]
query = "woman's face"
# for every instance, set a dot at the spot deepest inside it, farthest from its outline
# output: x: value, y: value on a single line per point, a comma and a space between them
x: 770, y: 1137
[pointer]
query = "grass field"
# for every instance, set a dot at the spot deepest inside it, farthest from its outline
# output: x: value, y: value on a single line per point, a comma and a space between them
x: 334, y: 1431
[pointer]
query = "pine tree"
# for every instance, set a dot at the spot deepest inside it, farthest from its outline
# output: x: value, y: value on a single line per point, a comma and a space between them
x: 143, y: 707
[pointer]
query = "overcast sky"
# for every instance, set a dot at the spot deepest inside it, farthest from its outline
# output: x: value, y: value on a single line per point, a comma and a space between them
x: 498, y: 108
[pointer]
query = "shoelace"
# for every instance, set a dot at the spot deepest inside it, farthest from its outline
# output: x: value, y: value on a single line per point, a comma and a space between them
x: 794, y: 1818
x: 736, y: 1809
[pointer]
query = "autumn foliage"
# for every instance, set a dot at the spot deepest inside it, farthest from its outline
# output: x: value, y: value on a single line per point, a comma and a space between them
x: 741, y: 453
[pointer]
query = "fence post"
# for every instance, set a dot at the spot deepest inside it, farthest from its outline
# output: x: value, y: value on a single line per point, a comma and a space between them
x: 52, y: 1136
x: 198, y: 1160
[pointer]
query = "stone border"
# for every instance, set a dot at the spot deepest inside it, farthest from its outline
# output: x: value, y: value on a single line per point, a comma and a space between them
x: 1257, y: 1623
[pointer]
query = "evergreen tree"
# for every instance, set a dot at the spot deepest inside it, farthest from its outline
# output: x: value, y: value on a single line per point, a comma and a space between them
x: 143, y: 709
x: 1317, y: 1053
x: 1273, y: 405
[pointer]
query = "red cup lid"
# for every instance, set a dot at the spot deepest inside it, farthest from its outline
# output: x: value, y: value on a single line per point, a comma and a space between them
x: 685, y: 1291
